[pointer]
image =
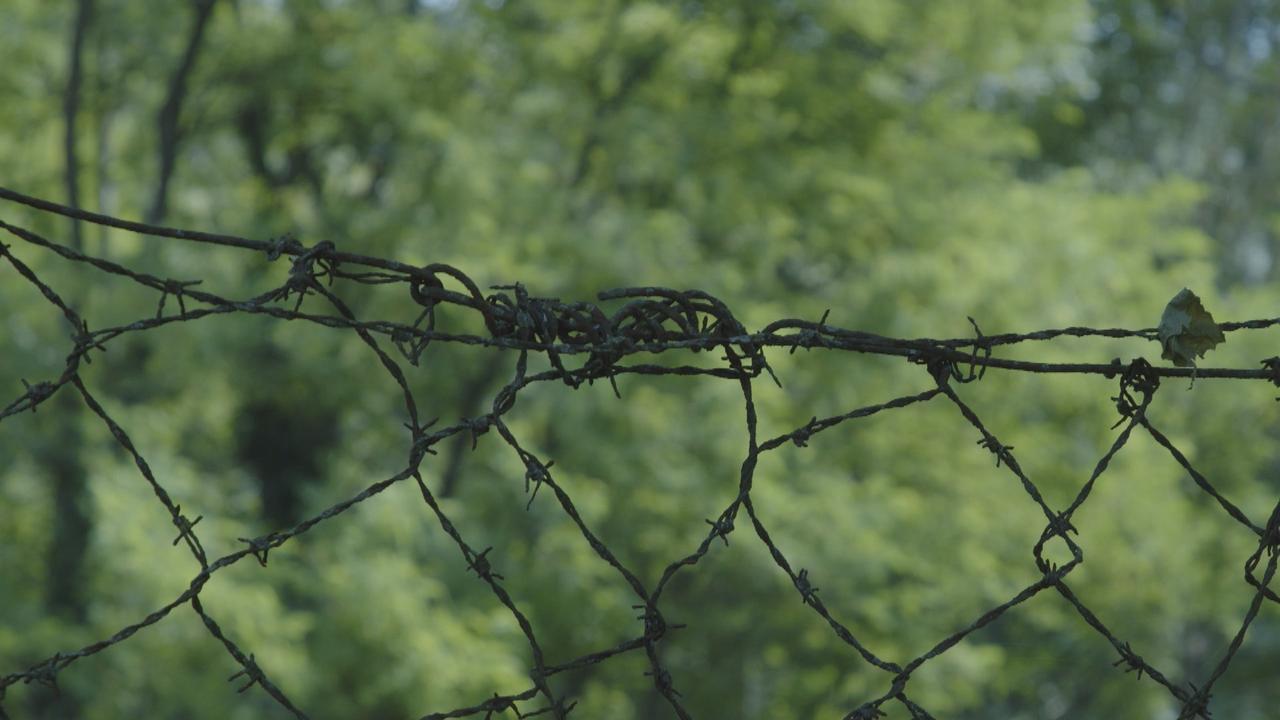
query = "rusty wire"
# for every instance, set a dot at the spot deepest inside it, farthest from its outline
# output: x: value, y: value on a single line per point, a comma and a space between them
x: 584, y: 343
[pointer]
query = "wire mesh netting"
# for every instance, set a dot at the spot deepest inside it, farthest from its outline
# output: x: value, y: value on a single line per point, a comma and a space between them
x: 582, y: 343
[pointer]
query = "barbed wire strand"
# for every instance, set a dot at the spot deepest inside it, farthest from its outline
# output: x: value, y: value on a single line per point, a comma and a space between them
x: 651, y: 320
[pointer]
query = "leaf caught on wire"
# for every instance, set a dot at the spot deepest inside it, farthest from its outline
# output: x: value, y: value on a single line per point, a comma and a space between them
x: 1187, y: 331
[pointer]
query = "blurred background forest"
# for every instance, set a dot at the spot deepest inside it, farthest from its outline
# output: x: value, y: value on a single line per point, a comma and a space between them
x: 1030, y: 163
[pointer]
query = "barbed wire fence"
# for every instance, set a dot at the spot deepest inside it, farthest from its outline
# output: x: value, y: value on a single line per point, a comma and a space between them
x: 583, y: 343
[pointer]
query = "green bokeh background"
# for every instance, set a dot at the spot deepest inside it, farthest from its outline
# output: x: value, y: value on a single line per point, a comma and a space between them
x: 1031, y: 164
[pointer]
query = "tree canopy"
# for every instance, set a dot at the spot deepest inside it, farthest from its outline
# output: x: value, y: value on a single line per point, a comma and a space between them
x: 904, y: 166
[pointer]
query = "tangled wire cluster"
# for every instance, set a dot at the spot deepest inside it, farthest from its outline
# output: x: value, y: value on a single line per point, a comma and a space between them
x: 583, y: 343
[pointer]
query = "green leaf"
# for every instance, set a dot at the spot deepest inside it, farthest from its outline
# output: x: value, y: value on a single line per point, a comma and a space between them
x: 1187, y: 331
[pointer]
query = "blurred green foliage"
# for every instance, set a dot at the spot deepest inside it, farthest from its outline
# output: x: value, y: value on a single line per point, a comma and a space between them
x: 904, y: 164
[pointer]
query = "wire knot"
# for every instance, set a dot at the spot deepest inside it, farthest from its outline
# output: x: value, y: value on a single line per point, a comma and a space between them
x: 807, y: 591
x: 250, y: 671
x: 286, y: 243
x: 1132, y: 660
x: 655, y: 626
x: 38, y: 393
x: 480, y: 564
x: 721, y: 527
x: 1272, y: 365
x: 258, y: 547
x: 1140, y: 377
x: 1002, y: 452
x: 1197, y: 706
x: 176, y: 288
